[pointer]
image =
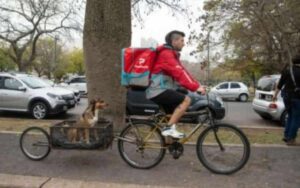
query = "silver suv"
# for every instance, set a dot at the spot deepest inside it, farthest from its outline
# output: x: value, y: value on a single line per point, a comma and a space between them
x: 262, y: 103
x: 26, y: 93
x: 232, y: 90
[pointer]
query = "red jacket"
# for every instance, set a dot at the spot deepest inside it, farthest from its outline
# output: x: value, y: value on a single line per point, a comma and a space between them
x: 168, y: 63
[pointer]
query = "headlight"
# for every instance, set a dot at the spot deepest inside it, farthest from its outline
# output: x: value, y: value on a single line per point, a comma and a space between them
x: 219, y: 99
x: 57, y: 97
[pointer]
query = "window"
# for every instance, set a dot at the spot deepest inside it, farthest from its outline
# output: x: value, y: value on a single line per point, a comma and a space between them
x: 82, y: 80
x: 33, y: 82
x: 78, y: 80
x: 1, y: 82
x: 223, y: 86
x: 267, y: 83
x: 75, y: 80
x: 235, y: 86
x: 11, y: 83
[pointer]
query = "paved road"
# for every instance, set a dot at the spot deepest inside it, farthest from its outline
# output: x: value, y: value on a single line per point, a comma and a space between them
x: 267, y: 167
x: 237, y: 113
x: 240, y: 113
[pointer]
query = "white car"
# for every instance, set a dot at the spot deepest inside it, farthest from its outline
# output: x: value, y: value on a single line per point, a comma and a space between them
x: 79, y: 83
x: 262, y: 103
x: 64, y: 86
x: 27, y: 93
x: 232, y: 90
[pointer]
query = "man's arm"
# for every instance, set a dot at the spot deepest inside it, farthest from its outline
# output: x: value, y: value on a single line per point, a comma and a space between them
x: 178, y: 73
x: 279, y: 85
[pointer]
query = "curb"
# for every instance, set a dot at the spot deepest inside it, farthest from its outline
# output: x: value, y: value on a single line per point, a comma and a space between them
x: 20, y: 181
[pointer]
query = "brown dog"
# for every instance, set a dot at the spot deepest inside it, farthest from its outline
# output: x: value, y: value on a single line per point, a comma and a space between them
x: 88, y: 119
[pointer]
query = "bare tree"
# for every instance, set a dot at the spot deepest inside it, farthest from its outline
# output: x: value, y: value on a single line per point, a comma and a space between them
x: 141, y: 8
x: 48, y: 54
x: 23, y: 22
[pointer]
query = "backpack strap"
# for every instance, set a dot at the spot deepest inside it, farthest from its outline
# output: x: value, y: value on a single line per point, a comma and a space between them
x: 293, y: 76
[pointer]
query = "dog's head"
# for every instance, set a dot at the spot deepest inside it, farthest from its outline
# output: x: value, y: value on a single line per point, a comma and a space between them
x: 100, y: 104
x: 97, y: 104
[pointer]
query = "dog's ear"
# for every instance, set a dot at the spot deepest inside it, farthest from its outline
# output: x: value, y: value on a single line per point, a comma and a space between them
x: 100, y: 100
x: 92, y: 102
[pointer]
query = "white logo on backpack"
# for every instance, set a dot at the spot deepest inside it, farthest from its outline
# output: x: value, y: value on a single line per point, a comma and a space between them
x: 142, y: 60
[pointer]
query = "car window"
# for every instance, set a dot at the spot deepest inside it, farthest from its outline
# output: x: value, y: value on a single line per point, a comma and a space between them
x: 74, y: 80
x: 82, y: 80
x: 235, y: 86
x: 266, y: 83
x: 78, y: 80
x: 11, y: 83
x: 1, y: 82
x: 33, y: 82
x: 223, y: 86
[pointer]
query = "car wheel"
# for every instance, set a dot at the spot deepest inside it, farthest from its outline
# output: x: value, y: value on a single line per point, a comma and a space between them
x: 63, y: 113
x: 283, y: 118
x: 243, y: 98
x: 39, y: 110
x: 265, y: 117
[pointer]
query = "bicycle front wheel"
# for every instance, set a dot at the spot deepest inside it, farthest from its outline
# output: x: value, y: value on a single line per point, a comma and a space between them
x: 223, y: 149
x: 35, y: 143
x: 141, y: 145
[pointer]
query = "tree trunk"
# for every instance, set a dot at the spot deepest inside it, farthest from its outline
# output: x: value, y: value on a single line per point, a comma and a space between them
x: 107, y: 30
x: 21, y: 66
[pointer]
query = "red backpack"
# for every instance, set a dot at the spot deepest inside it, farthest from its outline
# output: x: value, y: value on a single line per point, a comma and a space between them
x: 137, y: 64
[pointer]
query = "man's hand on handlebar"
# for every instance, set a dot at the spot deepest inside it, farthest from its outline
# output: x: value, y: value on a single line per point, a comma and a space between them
x: 201, y: 90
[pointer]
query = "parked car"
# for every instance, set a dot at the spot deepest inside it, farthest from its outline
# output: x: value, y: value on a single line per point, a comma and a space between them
x: 26, y: 93
x: 137, y: 104
x: 79, y: 83
x: 232, y: 90
x: 64, y: 86
x: 262, y: 103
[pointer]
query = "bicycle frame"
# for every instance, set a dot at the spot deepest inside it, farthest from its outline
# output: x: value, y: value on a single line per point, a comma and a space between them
x: 160, y: 121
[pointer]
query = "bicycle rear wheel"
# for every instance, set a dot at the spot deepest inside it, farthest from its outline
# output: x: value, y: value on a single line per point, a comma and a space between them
x: 141, y: 146
x: 223, y: 149
x: 35, y: 143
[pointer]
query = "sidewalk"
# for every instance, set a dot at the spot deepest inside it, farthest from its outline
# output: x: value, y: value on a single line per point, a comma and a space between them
x: 18, y: 181
x: 269, y: 166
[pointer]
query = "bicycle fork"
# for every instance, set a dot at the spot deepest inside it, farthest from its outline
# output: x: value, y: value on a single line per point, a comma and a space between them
x: 217, y: 138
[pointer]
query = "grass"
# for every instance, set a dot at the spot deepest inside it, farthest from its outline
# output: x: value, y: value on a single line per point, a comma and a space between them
x: 19, y: 125
x: 255, y: 136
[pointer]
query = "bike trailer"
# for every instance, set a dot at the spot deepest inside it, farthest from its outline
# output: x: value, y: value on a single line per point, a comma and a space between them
x: 101, y: 135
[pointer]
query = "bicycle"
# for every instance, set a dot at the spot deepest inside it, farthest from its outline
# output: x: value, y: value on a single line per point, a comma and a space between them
x: 221, y: 148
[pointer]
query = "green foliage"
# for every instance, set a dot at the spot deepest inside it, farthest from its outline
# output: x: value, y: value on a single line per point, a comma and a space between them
x: 75, y: 61
x: 258, y: 35
x: 55, y: 62
x: 6, y: 63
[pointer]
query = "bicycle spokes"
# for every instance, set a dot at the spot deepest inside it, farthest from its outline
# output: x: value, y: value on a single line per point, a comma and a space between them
x: 223, y: 149
x: 148, y: 149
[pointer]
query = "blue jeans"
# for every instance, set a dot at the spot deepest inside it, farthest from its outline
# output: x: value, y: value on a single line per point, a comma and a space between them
x: 293, y: 121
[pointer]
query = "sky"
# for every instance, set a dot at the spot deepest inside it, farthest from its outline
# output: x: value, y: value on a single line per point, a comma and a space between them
x: 158, y: 24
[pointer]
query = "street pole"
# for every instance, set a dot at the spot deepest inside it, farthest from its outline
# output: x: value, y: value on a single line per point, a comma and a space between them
x: 208, y: 61
x: 55, y: 53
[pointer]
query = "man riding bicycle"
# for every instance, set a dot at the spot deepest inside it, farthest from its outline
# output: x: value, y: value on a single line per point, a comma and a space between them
x: 168, y: 74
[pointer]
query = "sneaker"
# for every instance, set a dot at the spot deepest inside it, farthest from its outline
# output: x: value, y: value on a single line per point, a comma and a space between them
x: 172, y: 132
x: 292, y: 142
x: 284, y: 139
